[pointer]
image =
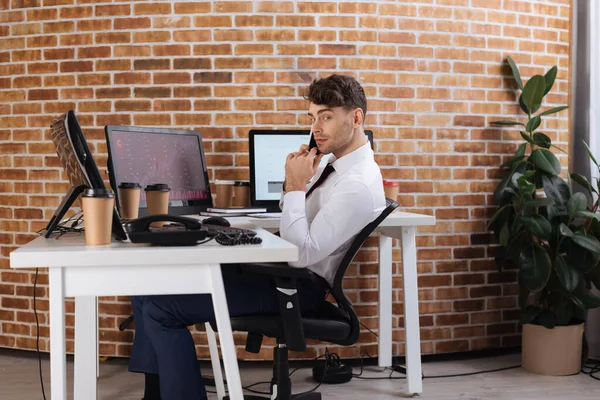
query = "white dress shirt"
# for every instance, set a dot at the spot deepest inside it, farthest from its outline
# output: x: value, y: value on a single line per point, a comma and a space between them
x: 324, y: 225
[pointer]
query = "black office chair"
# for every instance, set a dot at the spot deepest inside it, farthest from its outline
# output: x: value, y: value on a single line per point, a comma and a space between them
x: 336, y: 324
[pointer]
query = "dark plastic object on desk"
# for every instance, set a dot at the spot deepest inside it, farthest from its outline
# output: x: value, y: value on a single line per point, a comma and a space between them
x: 220, y: 221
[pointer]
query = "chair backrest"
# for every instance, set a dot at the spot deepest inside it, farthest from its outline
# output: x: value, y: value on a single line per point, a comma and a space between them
x: 337, y: 290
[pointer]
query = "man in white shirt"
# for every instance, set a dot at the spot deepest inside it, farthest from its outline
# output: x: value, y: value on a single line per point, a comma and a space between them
x: 350, y: 197
x: 321, y: 219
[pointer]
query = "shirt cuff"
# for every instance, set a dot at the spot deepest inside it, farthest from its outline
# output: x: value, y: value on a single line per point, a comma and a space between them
x: 294, y: 200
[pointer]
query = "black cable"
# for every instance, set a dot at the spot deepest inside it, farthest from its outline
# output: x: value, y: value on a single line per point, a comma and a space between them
x: 37, y: 339
x: 593, y: 369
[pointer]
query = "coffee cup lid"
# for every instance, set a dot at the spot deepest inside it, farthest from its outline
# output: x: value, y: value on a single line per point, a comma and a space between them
x: 223, y: 182
x: 162, y: 187
x: 390, y: 183
x: 129, y: 185
x: 241, y: 183
x: 98, y: 193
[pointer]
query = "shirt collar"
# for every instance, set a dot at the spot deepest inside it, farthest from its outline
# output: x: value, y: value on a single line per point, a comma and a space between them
x: 344, y: 163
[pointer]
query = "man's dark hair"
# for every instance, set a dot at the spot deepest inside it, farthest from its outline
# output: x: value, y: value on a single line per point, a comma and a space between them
x: 337, y: 91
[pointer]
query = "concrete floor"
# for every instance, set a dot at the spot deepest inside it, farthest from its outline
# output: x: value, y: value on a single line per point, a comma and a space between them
x: 19, y: 379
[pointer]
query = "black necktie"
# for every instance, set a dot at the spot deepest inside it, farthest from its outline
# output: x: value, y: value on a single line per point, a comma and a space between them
x: 326, y: 172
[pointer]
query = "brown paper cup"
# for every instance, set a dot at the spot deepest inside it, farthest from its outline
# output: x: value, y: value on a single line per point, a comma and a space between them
x: 97, y: 213
x: 129, y: 200
x: 241, y: 196
x: 391, y: 192
x: 224, y: 191
x: 158, y: 203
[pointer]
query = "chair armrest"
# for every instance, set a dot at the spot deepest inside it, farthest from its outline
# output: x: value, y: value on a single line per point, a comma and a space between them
x: 276, y: 269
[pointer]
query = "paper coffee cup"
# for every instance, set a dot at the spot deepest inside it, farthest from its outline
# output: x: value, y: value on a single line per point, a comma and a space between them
x: 129, y: 199
x: 241, y: 194
x: 157, y: 199
x: 391, y: 189
x: 224, y: 191
x: 98, y: 206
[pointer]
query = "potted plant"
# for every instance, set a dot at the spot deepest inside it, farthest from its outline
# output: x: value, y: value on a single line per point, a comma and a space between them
x: 550, y: 235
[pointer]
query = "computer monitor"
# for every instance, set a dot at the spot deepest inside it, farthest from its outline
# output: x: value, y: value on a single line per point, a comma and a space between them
x: 158, y: 155
x: 79, y: 165
x: 268, y: 151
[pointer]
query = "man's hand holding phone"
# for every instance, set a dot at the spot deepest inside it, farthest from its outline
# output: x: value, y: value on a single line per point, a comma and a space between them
x: 300, y: 167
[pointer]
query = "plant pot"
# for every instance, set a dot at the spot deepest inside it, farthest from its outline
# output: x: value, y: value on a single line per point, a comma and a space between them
x: 554, y: 351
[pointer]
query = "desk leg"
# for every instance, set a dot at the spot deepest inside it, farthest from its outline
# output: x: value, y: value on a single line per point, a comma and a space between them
x: 385, y: 301
x: 232, y: 372
x: 215, y: 360
x: 58, y: 357
x: 86, y: 348
x: 411, y: 310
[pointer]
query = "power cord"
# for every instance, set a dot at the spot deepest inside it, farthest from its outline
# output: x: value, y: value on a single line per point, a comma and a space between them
x: 37, y: 339
x: 591, y: 368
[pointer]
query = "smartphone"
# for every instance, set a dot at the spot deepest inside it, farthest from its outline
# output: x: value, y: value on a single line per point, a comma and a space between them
x: 313, y: 143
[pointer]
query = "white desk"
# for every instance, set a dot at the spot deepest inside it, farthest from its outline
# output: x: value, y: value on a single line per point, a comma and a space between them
x: 122, y: 269
x: 399, y: 225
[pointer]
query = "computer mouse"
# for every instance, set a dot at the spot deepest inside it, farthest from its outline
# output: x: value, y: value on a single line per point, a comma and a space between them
x: 216, y: 221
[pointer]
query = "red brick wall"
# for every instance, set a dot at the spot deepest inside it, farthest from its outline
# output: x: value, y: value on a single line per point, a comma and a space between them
x: 434, y: 77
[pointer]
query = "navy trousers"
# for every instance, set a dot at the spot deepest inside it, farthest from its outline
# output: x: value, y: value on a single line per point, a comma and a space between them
x: 163, y: 344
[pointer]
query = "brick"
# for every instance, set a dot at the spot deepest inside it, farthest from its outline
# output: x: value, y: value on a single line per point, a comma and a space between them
x: 233, y: 63
x: 132, y: 23
x: 94, y: 25
x: 112, y: 10
x: 204, y: 105
x: 277, y: 35
x: 254, y: 77
x: 113, y: 37
x: 113, y: 65
x: 161, y: 78
x: 151, y: 36
x: 152, y: 8
x: 76, y: 66
x: 295, y: 20
x: 186, y: 7
x: 132, y: 51
x: 276, y: 7
x: 151, y: 64
x: 255, y: 20
x: 254, y: 49
x: 337, y: 21
x: 42, y: 14
x: 296, y: 49
x: 171, y: 50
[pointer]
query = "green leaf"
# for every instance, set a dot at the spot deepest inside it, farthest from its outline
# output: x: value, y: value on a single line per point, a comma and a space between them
x: 587, y: 242
x: 515, y: 72
x: 587, y: 148
x: 533, y: 124
x: 546, y: 161
x: 542, y: 140
x: 563, y: 312
x: 587, y: 214
x: 512, y: 161
x: 564, y: 230
x: 530, y: 314
x: 503, y: 191
x: 559, y: 149
x: 546, y: 319
x: 540, y: 202
x: 582, y: 180
x: 535, y: 267
x: 504, y: 235
x: 556, y: 189
x: 523, y: 297
x: 533, y: 92
x: 577, y: 202
x: 501, y: 215
x: 588, y: 299
x: 507, y: 123
x: 528, y: 138
x: 569, y: 277
x: 549, y: 78
x: 553, y: 110
x: 521, y: 150
x: 538, y: 225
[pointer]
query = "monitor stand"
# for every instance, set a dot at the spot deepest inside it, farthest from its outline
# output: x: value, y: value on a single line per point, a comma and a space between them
x: 62, y: 209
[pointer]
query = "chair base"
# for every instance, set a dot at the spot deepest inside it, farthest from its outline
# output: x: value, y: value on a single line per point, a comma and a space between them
x: 300, y: 396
